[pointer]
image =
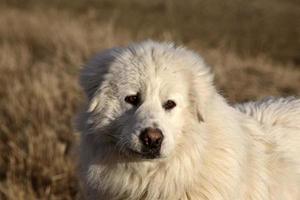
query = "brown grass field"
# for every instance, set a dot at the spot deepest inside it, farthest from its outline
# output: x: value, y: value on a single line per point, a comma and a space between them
x: 252, y: 46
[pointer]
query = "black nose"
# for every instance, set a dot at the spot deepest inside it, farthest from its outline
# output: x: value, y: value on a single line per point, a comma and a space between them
x: 152, y: 139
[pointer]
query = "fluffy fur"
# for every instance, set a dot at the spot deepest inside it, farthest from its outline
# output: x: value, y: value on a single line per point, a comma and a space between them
x: 210, y: 150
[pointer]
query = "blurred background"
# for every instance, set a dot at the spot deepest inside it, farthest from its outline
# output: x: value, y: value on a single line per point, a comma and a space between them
x: 253, y: 47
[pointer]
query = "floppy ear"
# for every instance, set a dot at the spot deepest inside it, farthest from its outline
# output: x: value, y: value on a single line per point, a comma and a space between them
x: 93, y: 74
x: 203, y: 90
x: 94, y: 79
x: 196, y: 108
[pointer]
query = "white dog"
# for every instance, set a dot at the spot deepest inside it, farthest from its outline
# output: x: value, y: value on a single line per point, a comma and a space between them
x: 156, y: 128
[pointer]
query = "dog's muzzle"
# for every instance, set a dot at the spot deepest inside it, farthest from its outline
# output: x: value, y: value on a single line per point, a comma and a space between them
x: 151, y: 138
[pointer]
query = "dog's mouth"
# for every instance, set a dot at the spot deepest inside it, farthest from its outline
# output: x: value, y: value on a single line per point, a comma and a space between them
x: 144, y: 154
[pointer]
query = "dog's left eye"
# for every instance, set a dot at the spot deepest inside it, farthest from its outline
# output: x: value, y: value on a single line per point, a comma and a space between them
x: 168, y: 105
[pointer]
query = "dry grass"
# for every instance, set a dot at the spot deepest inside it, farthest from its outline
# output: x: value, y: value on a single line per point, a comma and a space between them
x: 40, y: 54
x: 251, y: 27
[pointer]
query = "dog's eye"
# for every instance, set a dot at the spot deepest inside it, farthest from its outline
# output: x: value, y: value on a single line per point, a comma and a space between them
x: 133, y: 99
x: 168, y: 105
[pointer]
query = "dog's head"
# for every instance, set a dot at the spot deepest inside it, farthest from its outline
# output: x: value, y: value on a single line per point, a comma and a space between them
x: 142, y: 98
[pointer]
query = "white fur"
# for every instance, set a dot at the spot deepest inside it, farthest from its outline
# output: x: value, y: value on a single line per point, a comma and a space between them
x: 210, y: 149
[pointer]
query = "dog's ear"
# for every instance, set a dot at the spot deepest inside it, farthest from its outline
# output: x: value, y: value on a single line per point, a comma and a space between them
x: 203, y: 90
x: 196, y: 110
x: 99, y: 89
x: 199, y: 116
x: 94, y: 78
x: 93, y: 74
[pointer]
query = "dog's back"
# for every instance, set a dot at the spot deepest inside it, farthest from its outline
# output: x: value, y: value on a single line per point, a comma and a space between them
x: 280, y: 120
x: 272, y: 111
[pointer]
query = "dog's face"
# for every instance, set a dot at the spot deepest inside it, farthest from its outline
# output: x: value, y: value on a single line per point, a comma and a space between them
x: 140, y: 99
x: 151, y: 108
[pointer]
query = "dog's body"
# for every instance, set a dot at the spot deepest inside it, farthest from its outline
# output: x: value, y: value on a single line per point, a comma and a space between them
x: 206, y: 148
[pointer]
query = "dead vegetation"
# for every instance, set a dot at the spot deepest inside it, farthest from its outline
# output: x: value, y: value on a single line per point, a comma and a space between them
x: 41, y: 51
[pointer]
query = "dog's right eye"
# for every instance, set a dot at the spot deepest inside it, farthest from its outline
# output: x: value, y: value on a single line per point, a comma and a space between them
x: 133, y: 99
